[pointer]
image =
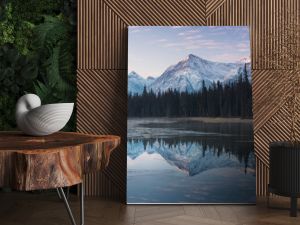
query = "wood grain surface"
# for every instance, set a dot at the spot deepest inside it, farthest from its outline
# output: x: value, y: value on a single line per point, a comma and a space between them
x: 57, y: 160
x: 45, y: 209
x: 102, y: 69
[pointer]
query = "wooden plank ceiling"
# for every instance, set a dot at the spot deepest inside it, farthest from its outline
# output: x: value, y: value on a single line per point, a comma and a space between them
x: 102, y: 70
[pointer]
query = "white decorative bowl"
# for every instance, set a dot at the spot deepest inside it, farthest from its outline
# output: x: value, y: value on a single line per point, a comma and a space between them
x: 40, y: 120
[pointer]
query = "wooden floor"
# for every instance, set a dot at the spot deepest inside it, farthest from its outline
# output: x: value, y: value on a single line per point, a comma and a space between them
x: 46, y: 209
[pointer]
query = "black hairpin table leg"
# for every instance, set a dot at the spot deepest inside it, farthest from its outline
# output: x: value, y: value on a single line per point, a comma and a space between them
x: 62, y: 195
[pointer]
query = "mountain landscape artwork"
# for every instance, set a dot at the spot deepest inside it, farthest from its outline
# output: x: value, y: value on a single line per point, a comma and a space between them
x: 190, y: 130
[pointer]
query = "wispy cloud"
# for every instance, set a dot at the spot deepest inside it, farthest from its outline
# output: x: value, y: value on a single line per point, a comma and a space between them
x: 194, y: 43
x: 228, y: 57
x: 162, y: 40
x: 177, y: 27
x: 156, y: 48
x: 135, y: 31
x: 243, y: 46
x: 193, y: 37
x: 189, y: 32
x: 138, y: 29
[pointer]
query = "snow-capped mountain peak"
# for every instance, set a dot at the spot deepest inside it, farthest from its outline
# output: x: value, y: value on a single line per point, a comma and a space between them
x: 134, y: 74
x: 136, y: 82
x: 190, y: 73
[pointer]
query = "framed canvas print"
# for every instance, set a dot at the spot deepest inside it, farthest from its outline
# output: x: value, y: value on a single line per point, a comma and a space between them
x: 190, y: 131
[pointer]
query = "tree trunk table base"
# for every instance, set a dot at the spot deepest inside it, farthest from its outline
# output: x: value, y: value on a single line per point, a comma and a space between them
x: 55, y: 161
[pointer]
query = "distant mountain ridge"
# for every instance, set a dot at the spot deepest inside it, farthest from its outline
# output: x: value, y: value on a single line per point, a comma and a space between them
x: 188, y: 75
x: 136, y: 82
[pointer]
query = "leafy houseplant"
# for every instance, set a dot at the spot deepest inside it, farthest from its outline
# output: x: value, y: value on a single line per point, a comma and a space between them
x: 53, y: 45
x: 38, y: 49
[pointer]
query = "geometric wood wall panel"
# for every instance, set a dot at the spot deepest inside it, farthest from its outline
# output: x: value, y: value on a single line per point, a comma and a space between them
x: 267, y: 94
x: 277, y: 128
x: 102, y: 109
x: 272, y: 119
x: 102, y: 37
x: 262, y: 17
x: 270, y: 114
x: 212, y: 6
x: 102, y: 70
x: 101, y: 106
x: 159, y: 13
x: 262, y: 177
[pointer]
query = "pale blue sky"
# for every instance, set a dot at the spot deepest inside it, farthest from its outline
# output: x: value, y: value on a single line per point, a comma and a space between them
x: 151, y: 49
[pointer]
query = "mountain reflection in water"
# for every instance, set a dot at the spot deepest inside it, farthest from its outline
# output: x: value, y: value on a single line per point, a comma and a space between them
x: 196, y: 154
x: 190, y: 161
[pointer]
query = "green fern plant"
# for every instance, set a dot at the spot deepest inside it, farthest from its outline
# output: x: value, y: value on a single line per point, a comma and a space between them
x: 53, y: 43
x: 17, y: 73
x: 37, y: 54
x: 57, y: 72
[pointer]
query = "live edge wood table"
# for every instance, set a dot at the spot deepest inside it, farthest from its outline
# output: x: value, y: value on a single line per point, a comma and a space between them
x: 52, y: 162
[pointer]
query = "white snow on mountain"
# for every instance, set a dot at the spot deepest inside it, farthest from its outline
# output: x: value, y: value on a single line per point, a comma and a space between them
x: 136, y: 82
x: 188, y: 75
x: 245, y: 60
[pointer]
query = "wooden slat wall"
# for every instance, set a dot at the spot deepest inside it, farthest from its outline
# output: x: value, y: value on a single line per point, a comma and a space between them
x: 102, y: 70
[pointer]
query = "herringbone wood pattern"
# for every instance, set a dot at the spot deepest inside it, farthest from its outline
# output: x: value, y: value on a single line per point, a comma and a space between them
x: 102, y: 64
x: 47, y: 209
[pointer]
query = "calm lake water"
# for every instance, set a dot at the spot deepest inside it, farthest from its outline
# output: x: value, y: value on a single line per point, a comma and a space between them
x: 190, y: 161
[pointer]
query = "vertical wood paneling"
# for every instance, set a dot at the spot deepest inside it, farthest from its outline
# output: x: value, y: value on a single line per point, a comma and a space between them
x: 102, y: 69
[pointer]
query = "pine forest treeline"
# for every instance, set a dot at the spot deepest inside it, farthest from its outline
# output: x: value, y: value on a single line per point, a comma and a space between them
x: 232, y: 99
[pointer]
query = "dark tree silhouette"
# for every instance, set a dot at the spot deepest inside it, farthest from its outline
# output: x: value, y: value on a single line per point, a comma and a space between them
x: 230, y: 99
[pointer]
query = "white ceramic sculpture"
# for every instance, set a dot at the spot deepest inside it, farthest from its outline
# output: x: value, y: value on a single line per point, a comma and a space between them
x: 40, y: 120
